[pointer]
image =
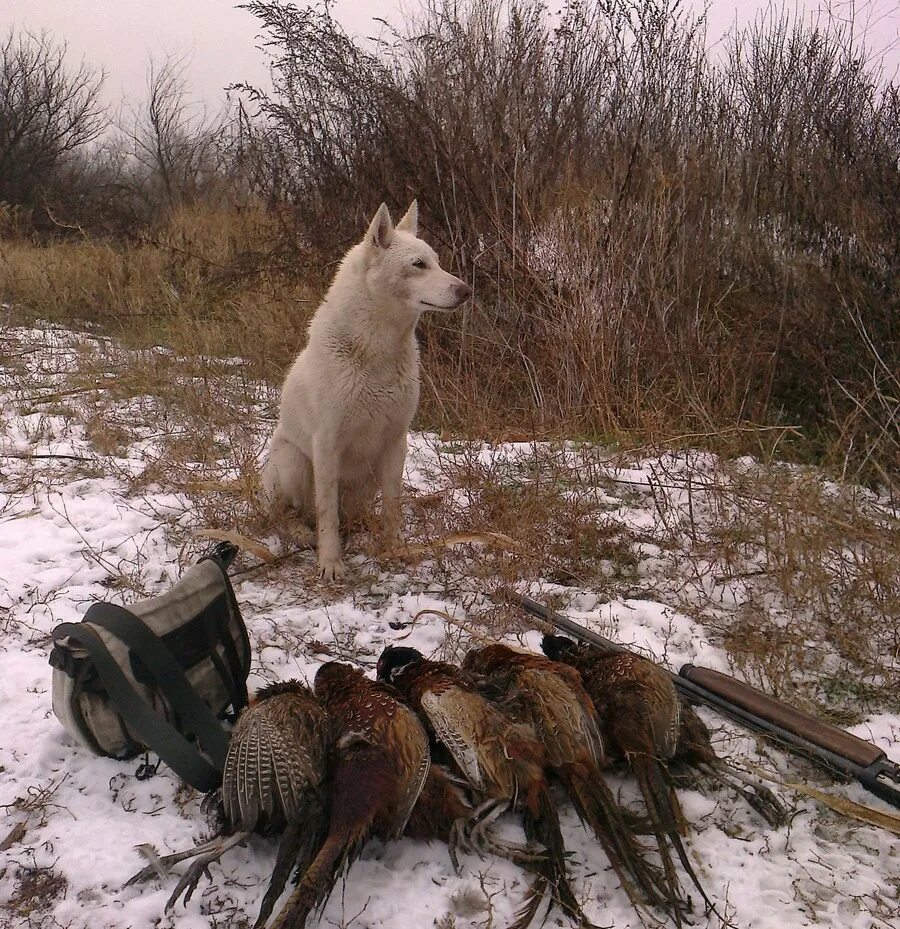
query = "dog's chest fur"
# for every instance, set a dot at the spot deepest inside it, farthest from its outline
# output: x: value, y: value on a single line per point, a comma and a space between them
x: 375, y: 367
x: 374, y: 378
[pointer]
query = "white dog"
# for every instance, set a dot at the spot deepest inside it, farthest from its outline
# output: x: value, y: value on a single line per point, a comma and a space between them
x: 350, y: 396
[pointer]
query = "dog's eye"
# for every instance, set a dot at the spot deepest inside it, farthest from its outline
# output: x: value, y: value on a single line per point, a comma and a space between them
x: 418, y: 263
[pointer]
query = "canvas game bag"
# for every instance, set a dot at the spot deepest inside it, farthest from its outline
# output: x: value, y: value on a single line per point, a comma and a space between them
x: 158, y: 675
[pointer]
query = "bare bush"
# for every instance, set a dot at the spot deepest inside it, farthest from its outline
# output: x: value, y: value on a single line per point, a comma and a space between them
x: 48, y: 114
x: 174, y: 146
x: 660, y: 243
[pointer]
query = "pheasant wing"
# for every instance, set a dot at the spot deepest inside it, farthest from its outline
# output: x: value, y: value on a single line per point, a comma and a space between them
x: 455, y: 715
x: 276, y: 754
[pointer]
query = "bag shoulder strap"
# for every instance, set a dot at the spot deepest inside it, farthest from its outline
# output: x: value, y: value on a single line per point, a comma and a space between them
x: 157, y: 734
x: 236, y: 683
x: 194, y: 714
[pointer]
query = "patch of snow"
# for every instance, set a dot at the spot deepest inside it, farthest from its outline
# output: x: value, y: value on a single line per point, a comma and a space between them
x: 64, y: 537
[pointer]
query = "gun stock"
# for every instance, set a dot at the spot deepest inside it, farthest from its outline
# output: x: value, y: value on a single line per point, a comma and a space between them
x: 802, y: 733
x: 787, y: 717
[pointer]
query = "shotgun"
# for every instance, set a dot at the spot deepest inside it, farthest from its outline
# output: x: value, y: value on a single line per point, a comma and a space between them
x: 832, y: 748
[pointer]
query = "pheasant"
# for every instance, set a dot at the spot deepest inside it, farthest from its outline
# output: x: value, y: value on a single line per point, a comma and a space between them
x: 640, y: 714
x: 501, y: 760
x: 272, y: 782
x: 440, y: 812
x: 552, y: 698
x: 379, y: 766
x: 694, y: 753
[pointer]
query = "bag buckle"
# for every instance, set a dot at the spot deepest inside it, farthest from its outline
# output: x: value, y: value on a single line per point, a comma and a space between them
x: 146, y: 770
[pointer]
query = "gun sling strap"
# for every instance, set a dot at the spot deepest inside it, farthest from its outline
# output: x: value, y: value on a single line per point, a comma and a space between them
x: 157, y: 733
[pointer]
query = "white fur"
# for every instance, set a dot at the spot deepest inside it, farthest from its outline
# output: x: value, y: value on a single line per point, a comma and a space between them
x: 350, y: 396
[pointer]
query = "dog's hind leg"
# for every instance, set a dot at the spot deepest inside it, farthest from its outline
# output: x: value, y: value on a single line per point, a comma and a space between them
x: 357, y: 504
x: 287, y: 477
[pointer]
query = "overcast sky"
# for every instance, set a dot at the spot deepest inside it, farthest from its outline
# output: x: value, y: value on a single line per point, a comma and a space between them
x: 219, y: 39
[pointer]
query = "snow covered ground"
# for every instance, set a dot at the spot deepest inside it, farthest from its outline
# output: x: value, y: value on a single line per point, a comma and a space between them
x: 75, y: 529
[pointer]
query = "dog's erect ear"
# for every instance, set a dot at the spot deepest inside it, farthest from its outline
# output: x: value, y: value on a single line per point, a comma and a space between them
x: 381, y: 231
x: 410, y: 221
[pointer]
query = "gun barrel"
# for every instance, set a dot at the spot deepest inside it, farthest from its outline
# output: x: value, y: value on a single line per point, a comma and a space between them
x: 558, y: 621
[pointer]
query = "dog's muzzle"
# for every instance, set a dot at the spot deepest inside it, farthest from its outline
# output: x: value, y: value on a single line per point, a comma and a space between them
x: 461, y: 292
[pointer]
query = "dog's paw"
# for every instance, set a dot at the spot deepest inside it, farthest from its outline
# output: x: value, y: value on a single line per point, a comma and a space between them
x: 331, y: 569
x: 389, y: 544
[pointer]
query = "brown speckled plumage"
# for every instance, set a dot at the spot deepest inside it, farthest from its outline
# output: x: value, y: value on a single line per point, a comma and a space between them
x: 640, y: 717
x: 671, y: 720
x: 696, y: 758
x: 547, y: 694
x: 501, y: 759
x: 273, y: 782
x: 275, y: 757
x: 380, y: 761
x: 551, y: 697
x: 440, y: 806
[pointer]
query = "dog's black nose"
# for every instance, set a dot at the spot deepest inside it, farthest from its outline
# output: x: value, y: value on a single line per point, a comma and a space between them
x: 463, y: 291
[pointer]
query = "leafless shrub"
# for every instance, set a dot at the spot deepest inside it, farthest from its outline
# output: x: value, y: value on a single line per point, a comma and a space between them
x: 659, y: 242
x: 49, y: 112
x: 174, y: 145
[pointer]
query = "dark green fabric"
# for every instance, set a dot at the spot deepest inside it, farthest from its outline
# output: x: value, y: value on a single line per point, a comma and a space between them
x: 194, y: 714
x: 216, y: 629
x: 240, y: 669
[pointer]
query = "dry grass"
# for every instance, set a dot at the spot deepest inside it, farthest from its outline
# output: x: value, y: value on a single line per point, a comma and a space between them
x: 205, y: 285
x: 36, y: 890
x: 36, y: 887
x: 797, y: 578
x: 812, y: 570
x: 200, y: 284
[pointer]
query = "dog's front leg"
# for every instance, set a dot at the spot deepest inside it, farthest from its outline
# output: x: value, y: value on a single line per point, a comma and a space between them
x: 391, y: 485
x: 325, y: 477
